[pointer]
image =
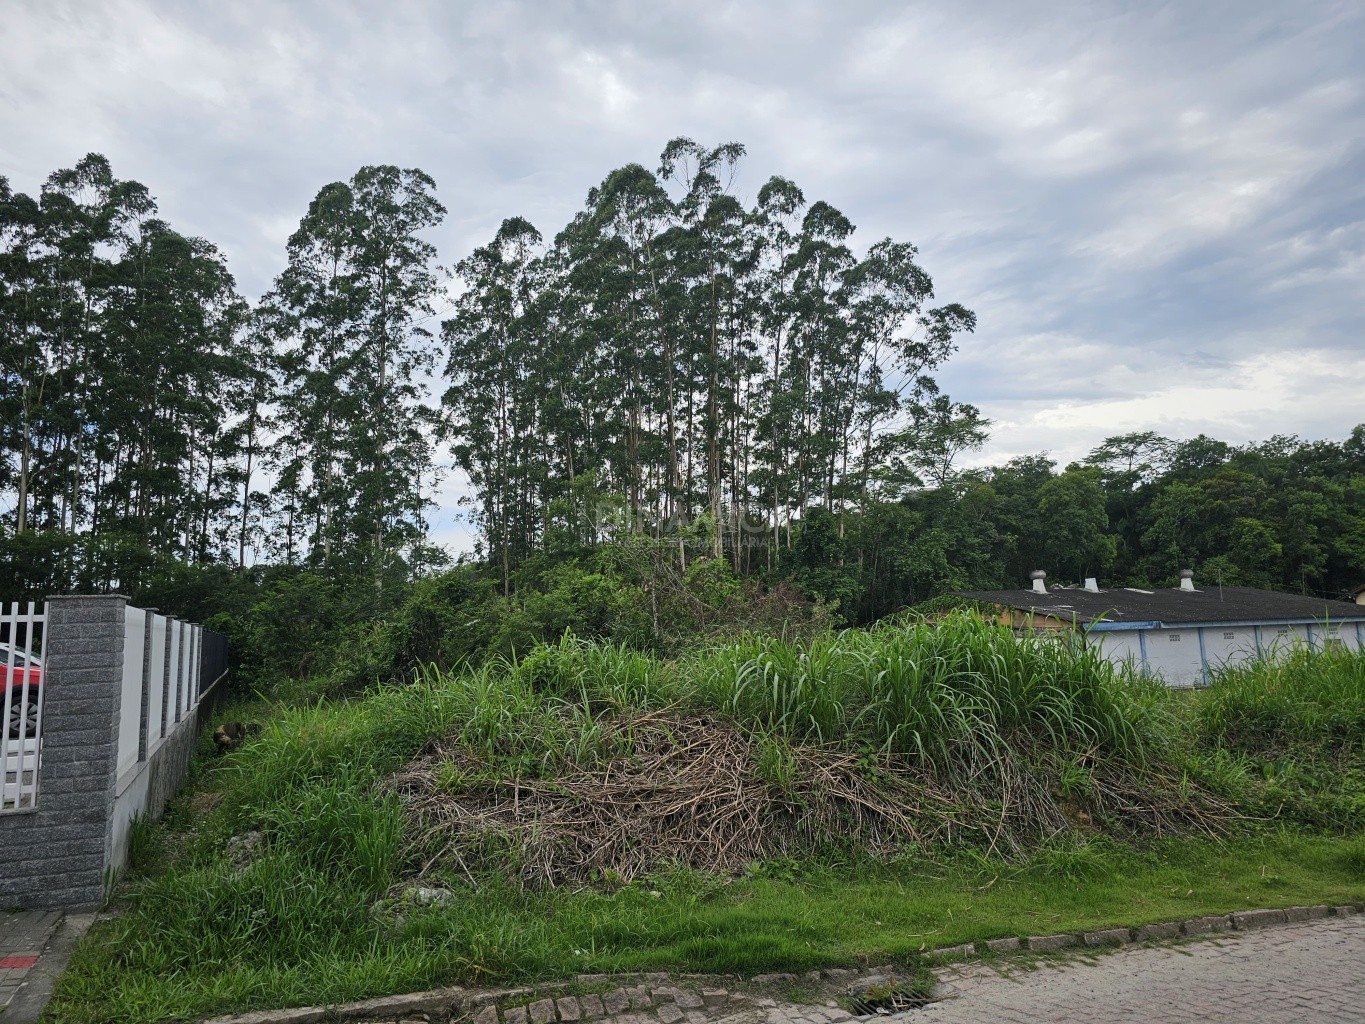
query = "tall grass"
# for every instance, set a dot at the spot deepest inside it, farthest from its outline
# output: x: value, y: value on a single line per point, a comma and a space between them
x: 953, y: 692
x: 1306, y: 696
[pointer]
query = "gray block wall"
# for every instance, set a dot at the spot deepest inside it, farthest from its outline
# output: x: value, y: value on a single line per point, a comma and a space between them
x: 54, y: 855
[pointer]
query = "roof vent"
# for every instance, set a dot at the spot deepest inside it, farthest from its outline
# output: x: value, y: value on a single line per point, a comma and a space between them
x: 1187, y: 579
x: 1039, y: 581
x: 1092, y: 585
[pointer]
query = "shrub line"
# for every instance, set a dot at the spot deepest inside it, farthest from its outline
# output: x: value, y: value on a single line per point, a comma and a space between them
x: 454, y: 1002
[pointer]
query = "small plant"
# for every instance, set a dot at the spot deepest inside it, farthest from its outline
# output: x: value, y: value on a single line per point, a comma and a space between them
x: 775, y: 763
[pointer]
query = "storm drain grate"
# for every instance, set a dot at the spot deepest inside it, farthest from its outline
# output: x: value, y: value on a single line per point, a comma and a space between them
x: 888, y: 1000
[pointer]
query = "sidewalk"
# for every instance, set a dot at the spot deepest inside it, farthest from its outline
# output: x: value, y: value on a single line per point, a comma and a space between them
x: 34, y: 948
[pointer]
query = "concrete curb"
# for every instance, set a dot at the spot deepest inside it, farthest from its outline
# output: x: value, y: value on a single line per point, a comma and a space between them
x: 459, y: 1002
x: 1238, y: 921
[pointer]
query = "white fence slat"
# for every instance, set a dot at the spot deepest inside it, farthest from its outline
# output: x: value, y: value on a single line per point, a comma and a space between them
x: 157, y: 682
x: 130, y: 698
x: 173, y: 697
x: 20, y: 756
x: 198, y: 659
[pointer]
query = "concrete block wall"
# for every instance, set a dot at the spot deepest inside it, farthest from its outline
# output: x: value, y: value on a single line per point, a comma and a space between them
x: 54, y: 855
x: 60, y: 852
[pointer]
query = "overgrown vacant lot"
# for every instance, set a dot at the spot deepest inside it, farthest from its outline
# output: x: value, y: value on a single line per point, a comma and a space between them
x: 754, y: 806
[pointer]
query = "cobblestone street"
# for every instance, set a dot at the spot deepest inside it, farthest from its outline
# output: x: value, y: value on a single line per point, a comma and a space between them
x: 1313, y: 972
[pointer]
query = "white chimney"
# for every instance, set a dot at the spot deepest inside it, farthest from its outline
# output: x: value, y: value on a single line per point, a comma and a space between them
x: 1039, y: 581
x: 1187, y: 579
x: 1092, y: 585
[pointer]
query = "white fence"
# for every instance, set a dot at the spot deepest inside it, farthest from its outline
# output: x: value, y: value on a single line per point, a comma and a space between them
x: 164, y: 662
x: 21, y: 637
x: 162, y: 673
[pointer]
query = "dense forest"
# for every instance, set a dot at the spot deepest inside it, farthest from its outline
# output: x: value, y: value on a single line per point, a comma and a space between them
x: 685, y: 411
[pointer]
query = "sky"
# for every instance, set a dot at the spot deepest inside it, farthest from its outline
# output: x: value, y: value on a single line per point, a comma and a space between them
x: 1157, y: 211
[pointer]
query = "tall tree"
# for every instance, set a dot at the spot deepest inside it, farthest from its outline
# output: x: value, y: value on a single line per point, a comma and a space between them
x: 350, y: 309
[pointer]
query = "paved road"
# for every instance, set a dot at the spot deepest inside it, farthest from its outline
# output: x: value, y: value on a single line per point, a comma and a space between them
x: 1312, y: 973
x: 34, y: 948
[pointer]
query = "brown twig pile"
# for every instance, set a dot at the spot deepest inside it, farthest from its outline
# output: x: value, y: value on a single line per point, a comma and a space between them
x: 688, y: 790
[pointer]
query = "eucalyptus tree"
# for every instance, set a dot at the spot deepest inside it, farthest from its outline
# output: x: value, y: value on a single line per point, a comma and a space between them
x: 817, y: 372
x: 168, y: 371
x: 350, y: 309
x: 496, y: 372
x: 705, y: 246
x: 774, y: 227
x: 897, y: 343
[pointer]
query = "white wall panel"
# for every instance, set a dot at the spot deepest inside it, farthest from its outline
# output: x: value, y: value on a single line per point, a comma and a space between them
x: 1120, y: 647
x: 1173, y: 654
x: 1229, y: 645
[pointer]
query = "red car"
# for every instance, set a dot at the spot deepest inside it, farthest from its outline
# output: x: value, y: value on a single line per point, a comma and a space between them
x: 18, y: 673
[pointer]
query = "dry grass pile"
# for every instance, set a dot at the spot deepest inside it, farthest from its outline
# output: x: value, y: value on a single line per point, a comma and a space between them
x: 695, y: 790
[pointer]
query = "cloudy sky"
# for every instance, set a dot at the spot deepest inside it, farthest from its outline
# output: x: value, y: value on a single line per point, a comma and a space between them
x: 1156, y: 210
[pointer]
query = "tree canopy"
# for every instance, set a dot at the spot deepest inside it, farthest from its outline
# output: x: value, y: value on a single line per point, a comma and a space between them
x: 681, y: 377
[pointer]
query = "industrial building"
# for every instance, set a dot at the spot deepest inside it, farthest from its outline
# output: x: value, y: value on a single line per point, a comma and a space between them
x: 1183, y: 633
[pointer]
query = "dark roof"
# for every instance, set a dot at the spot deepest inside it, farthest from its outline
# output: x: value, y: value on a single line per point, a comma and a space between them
x: 1215, y: 604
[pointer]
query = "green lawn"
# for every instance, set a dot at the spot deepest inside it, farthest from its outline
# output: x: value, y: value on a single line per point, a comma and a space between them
x: 783, y: 918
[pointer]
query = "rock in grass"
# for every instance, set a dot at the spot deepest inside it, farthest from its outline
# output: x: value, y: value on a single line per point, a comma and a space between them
x: 422, y: 896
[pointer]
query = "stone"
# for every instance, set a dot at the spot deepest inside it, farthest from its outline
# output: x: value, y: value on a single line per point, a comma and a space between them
x: 668, y: 1013
x: 966, y: 949
x: 295, y: 1015
x: 770, y: 979
x: 639, y: 997
x: 1204, y: 925
x: 412, y: 1004
x: 487, y: 1014
x: 696, y: 1017
x: 424, y: 896
x: 714, y: 997
x: 591, y: 1006
x: 688, y: 1000
x: 1165, y: 930
x: 243, y: 849
x: 1346, y: 910
x: 1048, y: 943
x: 1004, y: 945
x: 568, y: 1008
x: 616, y: 1001
x: 1247, y: 920
x: 542, y: 1011
x: 1107, y: 937
x: 1306, y: 913
x: 514, y: 1015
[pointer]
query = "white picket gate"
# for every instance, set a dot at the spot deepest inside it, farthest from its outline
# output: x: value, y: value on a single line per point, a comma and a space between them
x: 21, y: 637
